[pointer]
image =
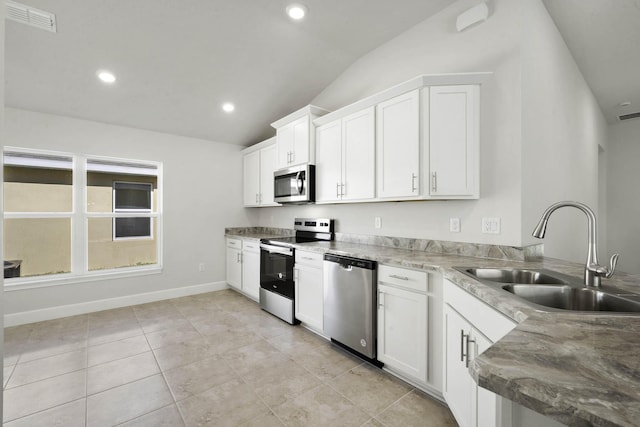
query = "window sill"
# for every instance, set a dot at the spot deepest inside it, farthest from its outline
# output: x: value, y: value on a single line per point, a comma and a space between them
x: 21, y: 283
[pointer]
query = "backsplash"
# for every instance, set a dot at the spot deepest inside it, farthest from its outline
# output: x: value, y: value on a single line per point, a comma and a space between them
x: 527, y: 253
x: 512, y: 253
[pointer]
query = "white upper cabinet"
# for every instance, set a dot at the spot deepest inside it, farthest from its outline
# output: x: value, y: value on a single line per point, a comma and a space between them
x: 295, y: 138
x: 345, y: 158
x: 251, y: 173
x: 398, y: 146
x: 293, y: 143
x: 329, y: 161
x: 258, y: 168
x: 358, y: 155
x: 267, y: 167
x: 451, y: 126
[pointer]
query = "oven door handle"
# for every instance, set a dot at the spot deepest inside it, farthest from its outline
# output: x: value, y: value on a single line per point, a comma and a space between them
x: 276, y: 249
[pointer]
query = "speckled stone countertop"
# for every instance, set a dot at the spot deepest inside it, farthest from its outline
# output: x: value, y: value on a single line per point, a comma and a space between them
x: 580, y: 369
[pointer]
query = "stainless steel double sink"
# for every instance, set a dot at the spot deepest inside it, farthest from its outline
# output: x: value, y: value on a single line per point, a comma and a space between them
x: 552, y: 291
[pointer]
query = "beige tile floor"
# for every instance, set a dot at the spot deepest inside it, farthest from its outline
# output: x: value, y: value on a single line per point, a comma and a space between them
x: 213, y: 359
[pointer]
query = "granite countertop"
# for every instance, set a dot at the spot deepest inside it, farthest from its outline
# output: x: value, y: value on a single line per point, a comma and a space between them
x: 577, y: 368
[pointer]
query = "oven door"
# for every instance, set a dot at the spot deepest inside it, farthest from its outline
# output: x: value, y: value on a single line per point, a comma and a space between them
x: 276, y: 270
x: 294, y: 185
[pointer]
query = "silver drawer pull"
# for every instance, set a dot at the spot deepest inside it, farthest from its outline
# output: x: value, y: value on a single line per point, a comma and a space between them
x: 395, y: 276
x: 306, y: 257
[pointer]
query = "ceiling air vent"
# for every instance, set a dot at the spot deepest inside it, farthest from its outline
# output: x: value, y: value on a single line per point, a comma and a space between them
x: 30, y: 16
x: 629, y: 116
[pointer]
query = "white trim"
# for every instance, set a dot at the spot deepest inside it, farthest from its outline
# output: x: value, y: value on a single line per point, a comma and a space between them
x: 31, y: 282
x: 49, y: 313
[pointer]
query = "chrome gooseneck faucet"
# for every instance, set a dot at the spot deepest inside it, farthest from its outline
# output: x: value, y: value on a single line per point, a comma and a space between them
x: 592, y: 271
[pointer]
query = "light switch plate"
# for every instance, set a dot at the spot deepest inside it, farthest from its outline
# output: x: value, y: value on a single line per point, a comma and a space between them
x: 454, y: 225
x: 491, y: 225
x: 378, y: 222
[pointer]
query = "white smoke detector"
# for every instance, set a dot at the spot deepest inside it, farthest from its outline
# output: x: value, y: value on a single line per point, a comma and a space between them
x: 31, y: 16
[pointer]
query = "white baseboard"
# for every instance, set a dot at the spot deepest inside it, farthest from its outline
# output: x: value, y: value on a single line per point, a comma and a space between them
x: 49, y: 313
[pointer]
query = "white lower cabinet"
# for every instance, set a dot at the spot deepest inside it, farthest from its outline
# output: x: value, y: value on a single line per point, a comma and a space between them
x: 470, y: 327
x: 409, y: 325
x: 251, y: 269
x: 243, y: 266
x: 309, y: 289
x: 234, y: 263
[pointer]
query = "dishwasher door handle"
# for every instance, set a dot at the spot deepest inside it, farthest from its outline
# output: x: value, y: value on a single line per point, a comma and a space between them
x: 346, y: 267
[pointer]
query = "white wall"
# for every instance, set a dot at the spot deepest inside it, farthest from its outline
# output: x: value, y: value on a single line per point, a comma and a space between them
x: 202, y: 196
x: 623, y: 194
x: 562, y: 126
x: 434, y: 47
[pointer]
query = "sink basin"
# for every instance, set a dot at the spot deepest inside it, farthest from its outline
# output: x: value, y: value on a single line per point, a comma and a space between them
x: 514, y: 276
x: 572, y: 298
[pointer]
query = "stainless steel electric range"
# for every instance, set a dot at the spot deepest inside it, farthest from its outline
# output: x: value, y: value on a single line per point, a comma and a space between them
x: 277, y: 295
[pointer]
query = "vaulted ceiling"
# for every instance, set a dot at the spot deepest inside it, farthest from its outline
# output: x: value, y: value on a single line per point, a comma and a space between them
x: 176, y: 62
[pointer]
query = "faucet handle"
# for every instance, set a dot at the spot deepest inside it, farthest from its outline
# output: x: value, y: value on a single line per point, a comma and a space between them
x: 613, y: 262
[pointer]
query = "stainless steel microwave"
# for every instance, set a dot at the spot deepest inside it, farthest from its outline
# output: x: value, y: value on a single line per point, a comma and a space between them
x: 295, y: 184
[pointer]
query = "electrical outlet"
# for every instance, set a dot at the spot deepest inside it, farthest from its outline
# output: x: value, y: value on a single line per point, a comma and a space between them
x: 454, y: 225
x: 491, y: 225
x: 378, y: 222
x: 201, y: 266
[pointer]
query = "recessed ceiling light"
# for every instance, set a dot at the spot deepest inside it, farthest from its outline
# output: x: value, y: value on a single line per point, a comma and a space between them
x: 228, y: 107
x: 106, y: 76
x: 296, y: 11
x: 625, y: 103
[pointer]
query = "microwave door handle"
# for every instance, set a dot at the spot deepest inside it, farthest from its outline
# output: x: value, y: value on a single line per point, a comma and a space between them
x: 299, y: 182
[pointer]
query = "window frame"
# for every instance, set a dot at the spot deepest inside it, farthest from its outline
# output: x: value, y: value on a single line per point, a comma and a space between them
x: 80, y: 216
x: 116, y: 210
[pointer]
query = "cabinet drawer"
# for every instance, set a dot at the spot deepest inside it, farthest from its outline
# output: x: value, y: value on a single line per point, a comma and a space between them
x: 409, y: 279
x: 250, y: 246
x: 234, y: 243
x: 312, y: 259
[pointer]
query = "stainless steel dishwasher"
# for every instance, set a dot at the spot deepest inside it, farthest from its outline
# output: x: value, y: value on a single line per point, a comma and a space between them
x: 350, y: 304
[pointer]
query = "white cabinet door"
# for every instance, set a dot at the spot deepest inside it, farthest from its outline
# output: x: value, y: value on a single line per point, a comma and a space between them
x: 234, y: 266
x: 402, y: 330
x: 398, y: 146
x: 251, y: 273
x: 251, y: 174
x: 358, y: 155
x: 328, y: 162
x: 267, y: 167
x: 309, y: 299
x: 284, y: 145
x: 486, y: 402
x: 292, y: 141
x: 459, y: 388
x: 453, y: 140
x: 300, y: 147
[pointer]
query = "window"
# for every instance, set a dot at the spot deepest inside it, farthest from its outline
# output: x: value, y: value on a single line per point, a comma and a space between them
x: 132, y: 197
x: 72, y: 216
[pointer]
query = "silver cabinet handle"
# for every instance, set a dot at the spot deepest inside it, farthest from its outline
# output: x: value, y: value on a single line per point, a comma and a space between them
x: 469, y: 341
x: 307, y: 258
x: 260, y: 198
x: 337, y: 190
x: 434, y: 181
x: 395, y: 276
x: 342, y: 190
x: 463, y: 336
x: 380, y: 299
x: 413, y: 182
x: 256, y: 197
